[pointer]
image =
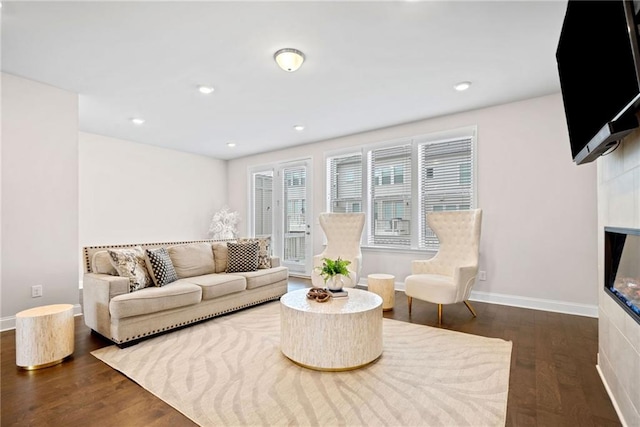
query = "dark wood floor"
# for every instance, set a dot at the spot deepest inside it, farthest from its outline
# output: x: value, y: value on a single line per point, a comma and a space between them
x: 553, y: 379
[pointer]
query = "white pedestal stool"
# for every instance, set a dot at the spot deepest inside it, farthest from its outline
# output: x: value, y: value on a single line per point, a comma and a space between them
x: 44, y: 336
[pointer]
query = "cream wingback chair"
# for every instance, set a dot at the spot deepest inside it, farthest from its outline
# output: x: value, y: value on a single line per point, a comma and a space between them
x: 448, y: 277
x: 344, y: 232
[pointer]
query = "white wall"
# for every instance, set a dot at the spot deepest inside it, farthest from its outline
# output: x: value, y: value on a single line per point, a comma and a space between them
x: 136, y: 193
x: 619, y: 335
x: 39, y: 196
x: 538, y: 238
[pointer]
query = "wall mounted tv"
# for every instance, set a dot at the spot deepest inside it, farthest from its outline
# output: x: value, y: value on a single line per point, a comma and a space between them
x: 598, y: 65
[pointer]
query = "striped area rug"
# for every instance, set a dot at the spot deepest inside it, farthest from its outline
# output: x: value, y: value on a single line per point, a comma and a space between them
x: 229, y: 372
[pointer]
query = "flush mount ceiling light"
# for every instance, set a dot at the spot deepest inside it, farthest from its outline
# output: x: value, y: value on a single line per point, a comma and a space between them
x: 299, y: 128
x: 231, y: 144
x: 205, y: 89
x: 462, y: 86
x: 137, y: 121
x: 289, y: 59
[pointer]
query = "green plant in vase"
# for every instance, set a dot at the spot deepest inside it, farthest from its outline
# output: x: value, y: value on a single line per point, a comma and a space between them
x: 332, y: 271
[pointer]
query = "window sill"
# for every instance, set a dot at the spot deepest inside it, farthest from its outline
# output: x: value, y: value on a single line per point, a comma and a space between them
x: 397, y: 250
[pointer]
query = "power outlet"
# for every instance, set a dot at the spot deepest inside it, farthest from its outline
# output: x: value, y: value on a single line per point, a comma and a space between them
x: 36, y: 291
x: 482, y: 275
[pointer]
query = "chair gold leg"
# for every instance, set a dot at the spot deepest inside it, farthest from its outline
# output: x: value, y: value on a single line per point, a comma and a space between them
x: 468, y: 304
x: 439, y: 314
x: 409, y: 300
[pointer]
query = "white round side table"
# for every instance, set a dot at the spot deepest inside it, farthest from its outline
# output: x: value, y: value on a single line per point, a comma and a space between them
x: 44, y: 336
x: 382, y: 284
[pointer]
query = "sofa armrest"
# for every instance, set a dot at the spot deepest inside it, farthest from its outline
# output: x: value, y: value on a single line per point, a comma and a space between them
x: 275, y: 261
x: 97, y: 291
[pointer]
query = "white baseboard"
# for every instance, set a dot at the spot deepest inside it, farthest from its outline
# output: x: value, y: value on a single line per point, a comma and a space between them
x: 9, y: 322
x: 611, y: 396
x: 536, y: 303
x: 525, y: 302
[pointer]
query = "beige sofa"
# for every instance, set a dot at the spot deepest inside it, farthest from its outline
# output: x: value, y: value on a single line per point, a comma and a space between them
x: 203, y: 290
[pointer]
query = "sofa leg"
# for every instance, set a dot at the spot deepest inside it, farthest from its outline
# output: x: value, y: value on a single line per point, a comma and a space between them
x: 409, y: 300
x: 439, y: 314
x: 468, y: 304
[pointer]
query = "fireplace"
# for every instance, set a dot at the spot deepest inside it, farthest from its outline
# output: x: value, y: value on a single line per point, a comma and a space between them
x: 622, y: 268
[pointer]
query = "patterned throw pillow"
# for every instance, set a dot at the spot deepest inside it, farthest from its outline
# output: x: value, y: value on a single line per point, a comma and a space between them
x: 130, y: 263
x: 242, y: 257
x: 160, y: 267
x: 264, y: 250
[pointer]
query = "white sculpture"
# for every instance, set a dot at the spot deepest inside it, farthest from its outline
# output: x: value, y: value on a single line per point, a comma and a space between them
x: 223, y: 224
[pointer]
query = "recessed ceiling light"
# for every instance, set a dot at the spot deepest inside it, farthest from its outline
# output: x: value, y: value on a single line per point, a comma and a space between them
x: 205, y: 89
x: 299, y: 128
x: 137, y: 121
x: 231, y: 144
x: 462, y: 86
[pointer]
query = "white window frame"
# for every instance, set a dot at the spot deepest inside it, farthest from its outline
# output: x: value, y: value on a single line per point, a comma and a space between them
x: 418, y: 218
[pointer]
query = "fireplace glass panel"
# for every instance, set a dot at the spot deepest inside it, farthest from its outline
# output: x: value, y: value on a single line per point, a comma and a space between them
x: 622, y: 268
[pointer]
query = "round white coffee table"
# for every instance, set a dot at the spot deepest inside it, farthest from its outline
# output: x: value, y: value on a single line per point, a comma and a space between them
x: 337, y: 335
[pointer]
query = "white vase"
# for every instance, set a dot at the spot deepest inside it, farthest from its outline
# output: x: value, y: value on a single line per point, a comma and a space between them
x: 335, y: 283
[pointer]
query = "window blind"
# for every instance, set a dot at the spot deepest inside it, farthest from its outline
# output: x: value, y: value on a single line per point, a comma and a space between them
x: 390, y: 187
x: 263, y: 196
x: 345, y: 183
x: 446, y: 181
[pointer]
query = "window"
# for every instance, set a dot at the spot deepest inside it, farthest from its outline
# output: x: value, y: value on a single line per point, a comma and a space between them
x: 398, y: 174
x: 445, y: 181
x: 344, y: 181
x: 389, y: 225
x: 403, y: 182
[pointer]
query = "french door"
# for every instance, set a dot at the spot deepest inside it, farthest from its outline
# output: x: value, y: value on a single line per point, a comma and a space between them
x: 281, y: 207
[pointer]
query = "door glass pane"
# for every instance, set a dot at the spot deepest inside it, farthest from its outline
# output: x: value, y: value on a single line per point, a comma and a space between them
x: 295, y: 222
x: 262, y: 202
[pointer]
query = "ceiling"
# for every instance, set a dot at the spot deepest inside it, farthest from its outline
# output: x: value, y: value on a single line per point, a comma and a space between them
x: 368, y: 65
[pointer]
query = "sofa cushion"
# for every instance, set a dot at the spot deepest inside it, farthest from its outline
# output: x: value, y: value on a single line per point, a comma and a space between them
x: 101, y: 263
x: 217, y: 285
x: 130, y: 263
x: 192, y: 259
x: 220, y: 256
x: 242, y: 257
x: 259, y: 278
x: 160, y: 266
x: 264, y: 250
x: 153, y: 299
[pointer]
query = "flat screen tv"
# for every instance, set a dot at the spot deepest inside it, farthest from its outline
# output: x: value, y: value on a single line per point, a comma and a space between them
x: 598, y: 66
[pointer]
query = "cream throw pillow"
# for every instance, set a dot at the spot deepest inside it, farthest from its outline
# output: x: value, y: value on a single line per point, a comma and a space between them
x: 220, y: 255
x: 192, y: 259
